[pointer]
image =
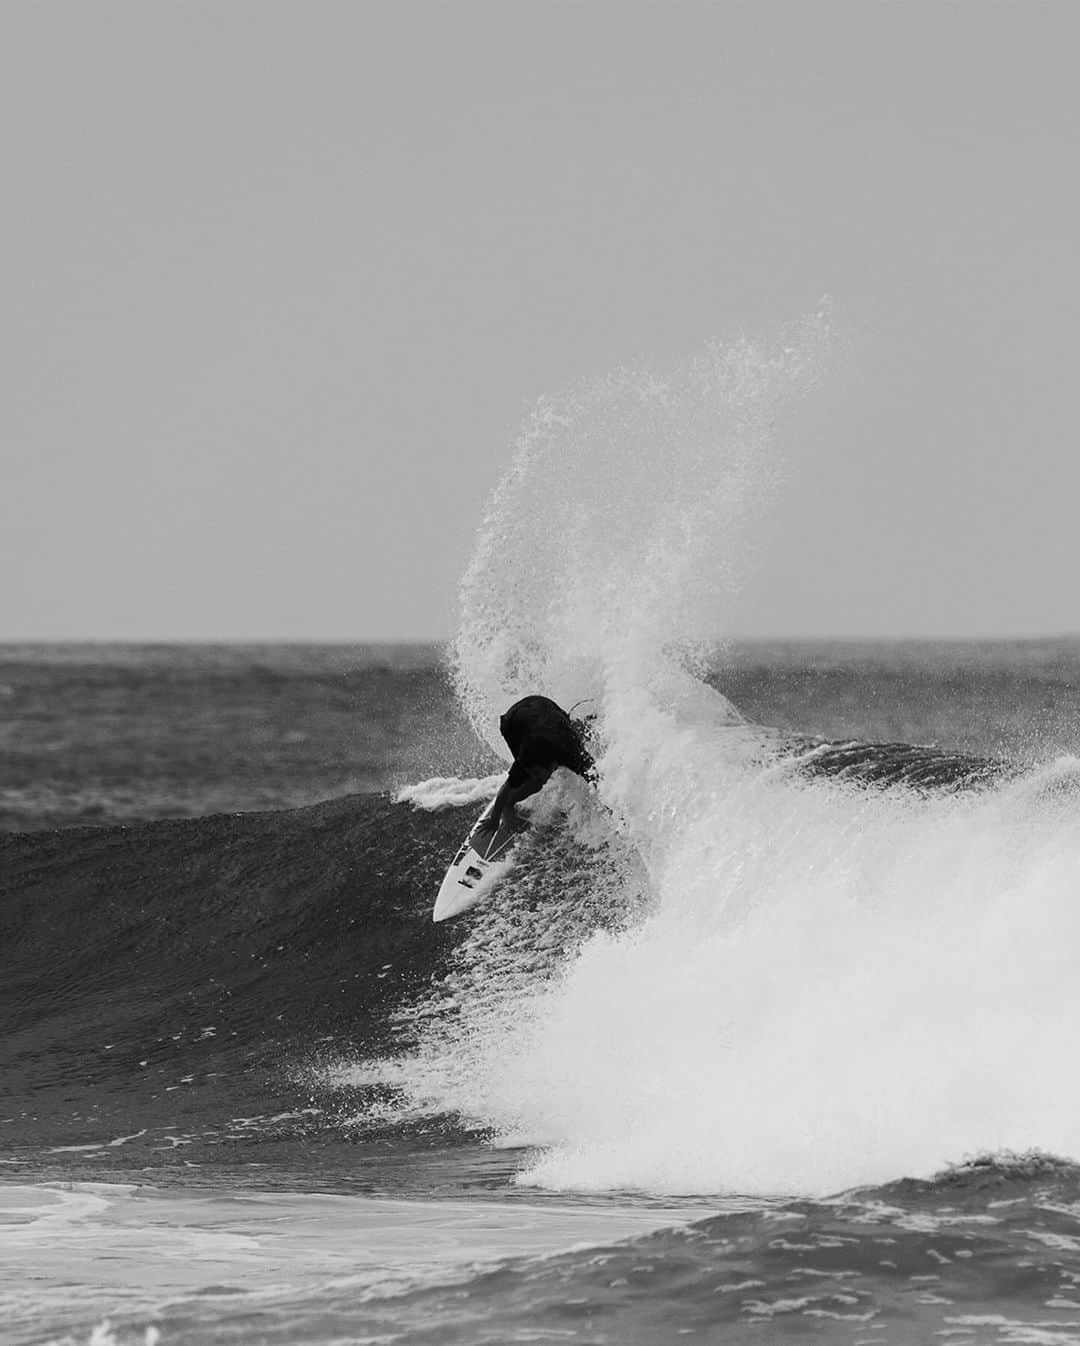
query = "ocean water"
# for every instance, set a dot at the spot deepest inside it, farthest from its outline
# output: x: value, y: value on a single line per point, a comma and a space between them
x: 769, y: 1037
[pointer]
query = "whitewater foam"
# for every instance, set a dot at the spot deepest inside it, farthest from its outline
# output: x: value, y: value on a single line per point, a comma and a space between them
x: 444, y: 792
x: 619, y: 534
x: 778, y: 984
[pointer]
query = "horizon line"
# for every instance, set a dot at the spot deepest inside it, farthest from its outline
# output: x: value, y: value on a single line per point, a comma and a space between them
x: 831, y: 638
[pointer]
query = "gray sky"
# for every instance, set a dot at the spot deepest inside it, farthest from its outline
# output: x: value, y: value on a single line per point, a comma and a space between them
x: 279, y: 282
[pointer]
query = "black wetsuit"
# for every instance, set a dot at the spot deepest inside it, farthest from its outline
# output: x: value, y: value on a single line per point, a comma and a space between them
x: 542, y: 737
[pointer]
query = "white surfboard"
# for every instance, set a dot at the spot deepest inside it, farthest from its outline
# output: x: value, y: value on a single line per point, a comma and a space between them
x: 478, y: 866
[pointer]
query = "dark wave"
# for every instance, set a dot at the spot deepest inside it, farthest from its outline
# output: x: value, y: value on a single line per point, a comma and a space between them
x: 186, y: 973
x: 296, y: 932
x: 915, y: 767
x: 297, y: 923
x: 167, y: 969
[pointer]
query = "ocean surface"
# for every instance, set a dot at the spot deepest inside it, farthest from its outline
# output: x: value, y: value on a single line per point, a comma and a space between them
x: 771, y: 1036
x: 252, y: 1093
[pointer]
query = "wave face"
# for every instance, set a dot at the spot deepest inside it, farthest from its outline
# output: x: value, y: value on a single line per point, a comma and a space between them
x: 167, y: 984
x: 178, y: 998
x: 768, y: 978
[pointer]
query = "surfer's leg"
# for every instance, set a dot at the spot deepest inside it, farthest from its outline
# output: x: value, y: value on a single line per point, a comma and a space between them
x: 525, y: 779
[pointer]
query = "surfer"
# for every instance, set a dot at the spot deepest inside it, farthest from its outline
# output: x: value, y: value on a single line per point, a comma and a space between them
x: 542, y: 736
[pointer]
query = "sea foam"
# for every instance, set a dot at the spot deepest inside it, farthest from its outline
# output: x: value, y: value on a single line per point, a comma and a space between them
x: 798, y: 984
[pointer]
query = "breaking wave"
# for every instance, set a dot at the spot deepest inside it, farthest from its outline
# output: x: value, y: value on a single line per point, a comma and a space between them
x: 741, y: 968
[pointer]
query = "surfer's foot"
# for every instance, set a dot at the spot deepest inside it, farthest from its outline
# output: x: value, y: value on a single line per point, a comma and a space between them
x: 483, y: 832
